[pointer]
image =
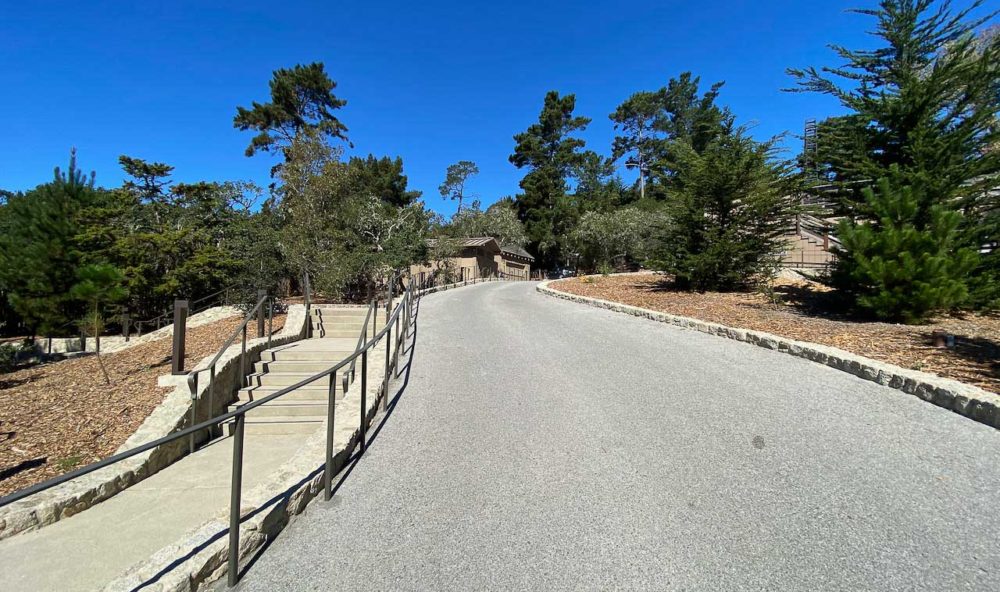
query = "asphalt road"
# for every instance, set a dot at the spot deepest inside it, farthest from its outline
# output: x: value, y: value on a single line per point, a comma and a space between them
x: 545, y: 445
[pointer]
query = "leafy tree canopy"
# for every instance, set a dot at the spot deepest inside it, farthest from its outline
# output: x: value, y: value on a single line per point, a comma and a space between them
x: 302, y: 97
x: 455, y: 179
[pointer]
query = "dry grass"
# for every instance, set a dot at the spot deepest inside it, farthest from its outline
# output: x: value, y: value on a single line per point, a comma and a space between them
x: 60, y: 416
x: 804, y: 311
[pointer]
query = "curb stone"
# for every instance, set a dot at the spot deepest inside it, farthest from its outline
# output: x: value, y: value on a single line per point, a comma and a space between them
x: 964, y: 399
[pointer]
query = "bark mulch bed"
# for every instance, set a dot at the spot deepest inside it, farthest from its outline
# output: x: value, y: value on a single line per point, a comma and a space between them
x: 60, y: 416
x: 805, y: 311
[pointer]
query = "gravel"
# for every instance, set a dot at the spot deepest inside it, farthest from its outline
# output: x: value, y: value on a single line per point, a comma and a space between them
x: 542, y: 444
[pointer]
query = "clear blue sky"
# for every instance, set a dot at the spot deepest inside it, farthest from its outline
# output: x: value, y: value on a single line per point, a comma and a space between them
x: 433, y: 82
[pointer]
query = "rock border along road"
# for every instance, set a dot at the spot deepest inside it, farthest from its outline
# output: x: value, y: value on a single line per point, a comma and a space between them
x: 541, y: 444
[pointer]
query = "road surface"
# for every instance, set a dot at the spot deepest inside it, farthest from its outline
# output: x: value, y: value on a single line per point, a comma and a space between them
x: 543, y: 444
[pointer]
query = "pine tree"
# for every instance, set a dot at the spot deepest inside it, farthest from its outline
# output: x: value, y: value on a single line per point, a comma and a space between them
x: 40, y: 252
x: 906, y: 263
x: 549, y: 151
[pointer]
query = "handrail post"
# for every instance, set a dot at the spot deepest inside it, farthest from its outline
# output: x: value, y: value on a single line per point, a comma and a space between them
x: 330, y: 417
x: 180, y: 326
x: 193, y: 382
x: 270, y: 322
x: 243, y: 359
x: 362, y: 433
x: 308, y: 299
x: 395, y: 355
x: 234, y: 502
x: 211, y: 392
x: 388, y: 343
x: 261, y: 295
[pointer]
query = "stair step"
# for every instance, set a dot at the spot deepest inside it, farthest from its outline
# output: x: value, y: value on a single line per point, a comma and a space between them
x: 283, y: 379
x: 328, y: 333
x: 305, y: 393
x: 283, y: 408
x: 306, y: 355
x: 297, y: 366
x: 278, y: 425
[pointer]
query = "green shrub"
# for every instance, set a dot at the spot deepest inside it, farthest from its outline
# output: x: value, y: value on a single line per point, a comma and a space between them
x: 906, y: 263
x: 8, y: 357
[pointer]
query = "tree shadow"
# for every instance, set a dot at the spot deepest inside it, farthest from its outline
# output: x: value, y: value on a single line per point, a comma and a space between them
x: 977, y: 350
x: 803, y: 298
x: 33, y: 463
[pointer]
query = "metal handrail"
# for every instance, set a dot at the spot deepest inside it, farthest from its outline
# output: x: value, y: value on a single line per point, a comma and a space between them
x: 167, y: 315
x: 192, y: 379
x: 238, y: 415
x: 364, y: 332
x: 48, y: 484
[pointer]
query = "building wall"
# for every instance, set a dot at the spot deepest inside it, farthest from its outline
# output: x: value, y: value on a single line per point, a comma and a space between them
x: 510, y: 265
x: 481, y: 260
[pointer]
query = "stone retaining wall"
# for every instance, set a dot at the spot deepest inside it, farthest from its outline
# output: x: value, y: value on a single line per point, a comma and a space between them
x: 201, y: 557
x: 173, y: 414
x: 964, y: 399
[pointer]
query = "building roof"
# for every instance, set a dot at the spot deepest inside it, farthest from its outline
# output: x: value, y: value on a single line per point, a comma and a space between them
x: 480, y: 241
x: 516, y: 250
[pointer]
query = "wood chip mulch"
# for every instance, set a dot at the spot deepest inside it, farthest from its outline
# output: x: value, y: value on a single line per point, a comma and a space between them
x: 804, y: 311
x: 62, y: 415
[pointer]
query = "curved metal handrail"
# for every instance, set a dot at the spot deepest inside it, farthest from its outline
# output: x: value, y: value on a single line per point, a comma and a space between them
x: 209, y: 423
x: 238, y: 416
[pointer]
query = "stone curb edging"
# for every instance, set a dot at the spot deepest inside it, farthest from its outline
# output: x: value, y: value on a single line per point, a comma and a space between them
x: 171, y: 415
x: 200, y: 558
x: 970, y: 401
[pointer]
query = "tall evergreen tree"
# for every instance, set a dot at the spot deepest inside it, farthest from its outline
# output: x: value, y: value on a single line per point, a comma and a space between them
x: 549, y: 152
x: 922, y: 114
x: 455, y: 179
x: 636, y: 118
x: 301, y: 98
x: 40, y: 252
x: 382, y: 177
x: 727, y: 214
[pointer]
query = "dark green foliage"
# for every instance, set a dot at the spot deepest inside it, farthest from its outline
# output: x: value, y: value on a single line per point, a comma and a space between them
x: 923, y: 110
x: 341, y: 227
x: 172, y: 241
x: 498, y: 221
x: 382, y: 177
x: 301, y: 98
x: 455, y: 178
x: 636, y: 119
x: 728, y: 214
x: 40, y: 251
x: 652, y: 120
x: 9, y: 354
x: 549, y: 152
x: 98, y: 286
x: 906, y: 263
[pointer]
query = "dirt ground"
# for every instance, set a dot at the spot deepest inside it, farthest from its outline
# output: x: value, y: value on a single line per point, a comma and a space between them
x: 805, y: 311
x: 62, y: 415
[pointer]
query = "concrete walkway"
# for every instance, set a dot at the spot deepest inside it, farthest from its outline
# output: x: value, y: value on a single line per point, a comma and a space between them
x: 88, y: 550
x: 541, y: 444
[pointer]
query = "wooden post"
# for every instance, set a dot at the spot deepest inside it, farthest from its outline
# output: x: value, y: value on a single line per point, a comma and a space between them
x: 180, y: 328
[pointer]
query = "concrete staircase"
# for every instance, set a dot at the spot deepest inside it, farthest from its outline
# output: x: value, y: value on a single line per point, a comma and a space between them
x: 335, y: 336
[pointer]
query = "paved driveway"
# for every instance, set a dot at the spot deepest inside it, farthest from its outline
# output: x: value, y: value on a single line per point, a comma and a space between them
x: 545, y: 445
